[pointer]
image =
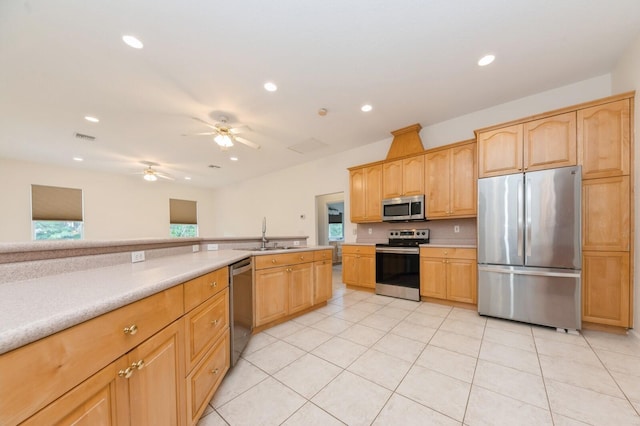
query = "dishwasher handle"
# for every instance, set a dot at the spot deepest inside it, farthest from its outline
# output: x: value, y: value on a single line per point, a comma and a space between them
x: 241, y: 267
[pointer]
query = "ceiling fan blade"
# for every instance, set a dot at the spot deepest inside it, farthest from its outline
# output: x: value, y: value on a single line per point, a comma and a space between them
x: 164, y: 176
x: 205, y: 123
x: 200, y: 134
x: 239, y: 129
x: 247, y: 143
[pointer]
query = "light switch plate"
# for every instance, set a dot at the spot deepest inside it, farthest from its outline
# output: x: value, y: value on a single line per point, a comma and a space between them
x: 137, y: 256
x: 195, y: 248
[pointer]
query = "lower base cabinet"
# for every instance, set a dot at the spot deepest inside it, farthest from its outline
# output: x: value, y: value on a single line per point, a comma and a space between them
x: 606, y: 292
x: 359, y: 265
x: 322, y: 279
x: 449, y: 273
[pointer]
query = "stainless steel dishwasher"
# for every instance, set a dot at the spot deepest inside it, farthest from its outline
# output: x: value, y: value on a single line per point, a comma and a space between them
x: 240, y: 306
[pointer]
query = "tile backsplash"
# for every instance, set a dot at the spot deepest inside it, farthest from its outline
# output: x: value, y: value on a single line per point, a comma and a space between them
x: 441, y: 231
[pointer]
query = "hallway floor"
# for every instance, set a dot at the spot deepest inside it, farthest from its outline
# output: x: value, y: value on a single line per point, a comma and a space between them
x: 366, y: 359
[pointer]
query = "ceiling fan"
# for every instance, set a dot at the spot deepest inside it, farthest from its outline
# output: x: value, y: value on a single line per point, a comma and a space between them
x: 225, y: 135
x: 150, y: 174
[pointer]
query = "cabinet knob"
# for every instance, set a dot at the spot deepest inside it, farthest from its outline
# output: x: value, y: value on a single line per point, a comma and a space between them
x: 126, y: 373
x: 138, y: 365
x: 273, y: 261
x: 215, y: 371
x: 301, y: 257
x: 131, y: 330
x: 213, y: 284
x: 215, y: 322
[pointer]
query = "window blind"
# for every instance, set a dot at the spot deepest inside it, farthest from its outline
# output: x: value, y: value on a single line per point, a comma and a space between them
x: 56, y: 203
x: 183, y: 212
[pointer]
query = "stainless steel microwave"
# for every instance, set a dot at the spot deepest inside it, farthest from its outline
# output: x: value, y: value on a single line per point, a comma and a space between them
x: 403, y: 208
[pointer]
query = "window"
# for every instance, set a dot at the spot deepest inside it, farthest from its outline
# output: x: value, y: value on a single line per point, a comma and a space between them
x: 183, y: 218
x: 56, y: 213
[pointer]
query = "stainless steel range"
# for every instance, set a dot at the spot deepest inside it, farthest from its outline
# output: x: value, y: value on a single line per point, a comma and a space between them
x: 398, y: 264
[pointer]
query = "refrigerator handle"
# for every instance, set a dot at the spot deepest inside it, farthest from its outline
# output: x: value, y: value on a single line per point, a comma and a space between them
x: 527, y: 242
x: 520, y: 216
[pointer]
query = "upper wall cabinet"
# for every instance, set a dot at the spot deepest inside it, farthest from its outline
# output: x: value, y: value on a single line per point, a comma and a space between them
x: 535, y: 145
x: 603, y: 132
x: 403, y: 177
x: 450, y: 180
x: 365, y: 190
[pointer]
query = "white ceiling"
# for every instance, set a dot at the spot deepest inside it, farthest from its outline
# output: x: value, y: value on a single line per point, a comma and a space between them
x: 413, y: 60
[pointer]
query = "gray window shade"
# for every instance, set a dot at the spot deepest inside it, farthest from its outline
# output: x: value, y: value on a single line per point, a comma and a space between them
x: 183, y: 212
x: 55, y: 203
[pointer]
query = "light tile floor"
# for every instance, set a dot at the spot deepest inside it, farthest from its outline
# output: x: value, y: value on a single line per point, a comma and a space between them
x: 366, y: 359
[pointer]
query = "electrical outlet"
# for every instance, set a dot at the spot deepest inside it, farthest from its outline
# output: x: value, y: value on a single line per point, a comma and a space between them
x: 296, y: 243
x: 212, y: 247
x: 456, y: 228
x: 195, y: 248
x: 370, y: 231
x: 137, y: 256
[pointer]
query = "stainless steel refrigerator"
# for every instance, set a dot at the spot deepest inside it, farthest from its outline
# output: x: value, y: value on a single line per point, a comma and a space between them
x: 529, y: 247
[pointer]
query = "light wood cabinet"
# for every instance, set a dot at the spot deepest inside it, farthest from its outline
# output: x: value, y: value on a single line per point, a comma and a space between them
x: 605, y: 214
x: 545, y: 143
x: 365, y: 193
x: 451, y: 183
x: 550, y: 142
x: 300, y: 287
x: 500, y: 151
x: 448, y: 273
x: 271, y: 295
x: 604, y: 139
x: 322, y: 276
x: 359, y: 265
x: 403, y: 177
x: 606, y: 292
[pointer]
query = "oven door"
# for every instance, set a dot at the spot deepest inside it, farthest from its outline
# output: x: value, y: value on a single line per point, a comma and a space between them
x: 398, y: 272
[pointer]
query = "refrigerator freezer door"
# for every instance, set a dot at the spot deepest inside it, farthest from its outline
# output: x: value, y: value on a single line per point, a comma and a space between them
x: 534, y: 295
x: 500, y: 220
x: 552, y: 218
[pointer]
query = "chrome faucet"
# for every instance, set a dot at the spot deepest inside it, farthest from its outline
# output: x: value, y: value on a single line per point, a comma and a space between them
x: 264, y: 231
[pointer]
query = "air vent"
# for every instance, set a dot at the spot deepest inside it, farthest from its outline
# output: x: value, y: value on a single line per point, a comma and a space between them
x: 308, y: 146
x: 213, y: 166
x: 84, y: 137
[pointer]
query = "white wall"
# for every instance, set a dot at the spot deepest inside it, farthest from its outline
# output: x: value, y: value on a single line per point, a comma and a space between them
x: 115, y: 206
x: 283, y: 196
x: 626, y: 77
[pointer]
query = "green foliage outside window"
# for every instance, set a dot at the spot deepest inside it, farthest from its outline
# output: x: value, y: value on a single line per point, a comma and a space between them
x: 336, y: 231
x: 57, y: 230
x: 183, y: 231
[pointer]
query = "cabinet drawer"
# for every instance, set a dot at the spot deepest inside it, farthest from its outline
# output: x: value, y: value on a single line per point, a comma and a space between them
x: 59, y: 362
x: 205, y: 324
x: 357, y: 249
x: 448, y: 252
x: 206, y: 377
x: 274, y: 260
x: 200, y: 289
x: 322, y: 255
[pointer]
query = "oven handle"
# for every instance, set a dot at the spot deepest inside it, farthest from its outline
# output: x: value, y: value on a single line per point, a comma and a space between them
x: 401, y: 250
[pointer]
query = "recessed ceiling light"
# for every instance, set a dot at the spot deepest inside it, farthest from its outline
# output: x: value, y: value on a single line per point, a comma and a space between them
x: 486, y: 60
x: 270, y: 87
x: 233, y: 158
x: 91, y: 119
x: 132, y: 41
x: 187, y: 178
x: 78, y: 159
x: 366, y: 108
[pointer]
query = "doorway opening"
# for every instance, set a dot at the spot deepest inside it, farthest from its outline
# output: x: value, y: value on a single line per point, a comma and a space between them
x: 330, y: 222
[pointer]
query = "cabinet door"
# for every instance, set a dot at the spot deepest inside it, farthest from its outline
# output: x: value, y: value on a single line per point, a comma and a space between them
x: 156, y: 387
x: 603, y: 140
x: 500, y: 151
x: 271, y: 294
x: 357, y: 195
x: 300, y: 287
x: 350, y: 269
x: 367, y: 271
x: 463, y: 181
x: 413, y: 175
x: 323, y: 281
x: 437, y: 183
x: 605, y: 209
x: 373, y: 198
x: 101, y: 400
x: 550, y: 142
x: 433, y: 278
x: 606, y: 288
x: 392, y: 179
x: 462, y: 280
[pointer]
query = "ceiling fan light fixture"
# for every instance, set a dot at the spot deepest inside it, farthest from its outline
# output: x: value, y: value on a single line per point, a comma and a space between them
x: 486, y: 60
x: 270, y: 86
x: 224, y: 141
x: 132, y: 41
